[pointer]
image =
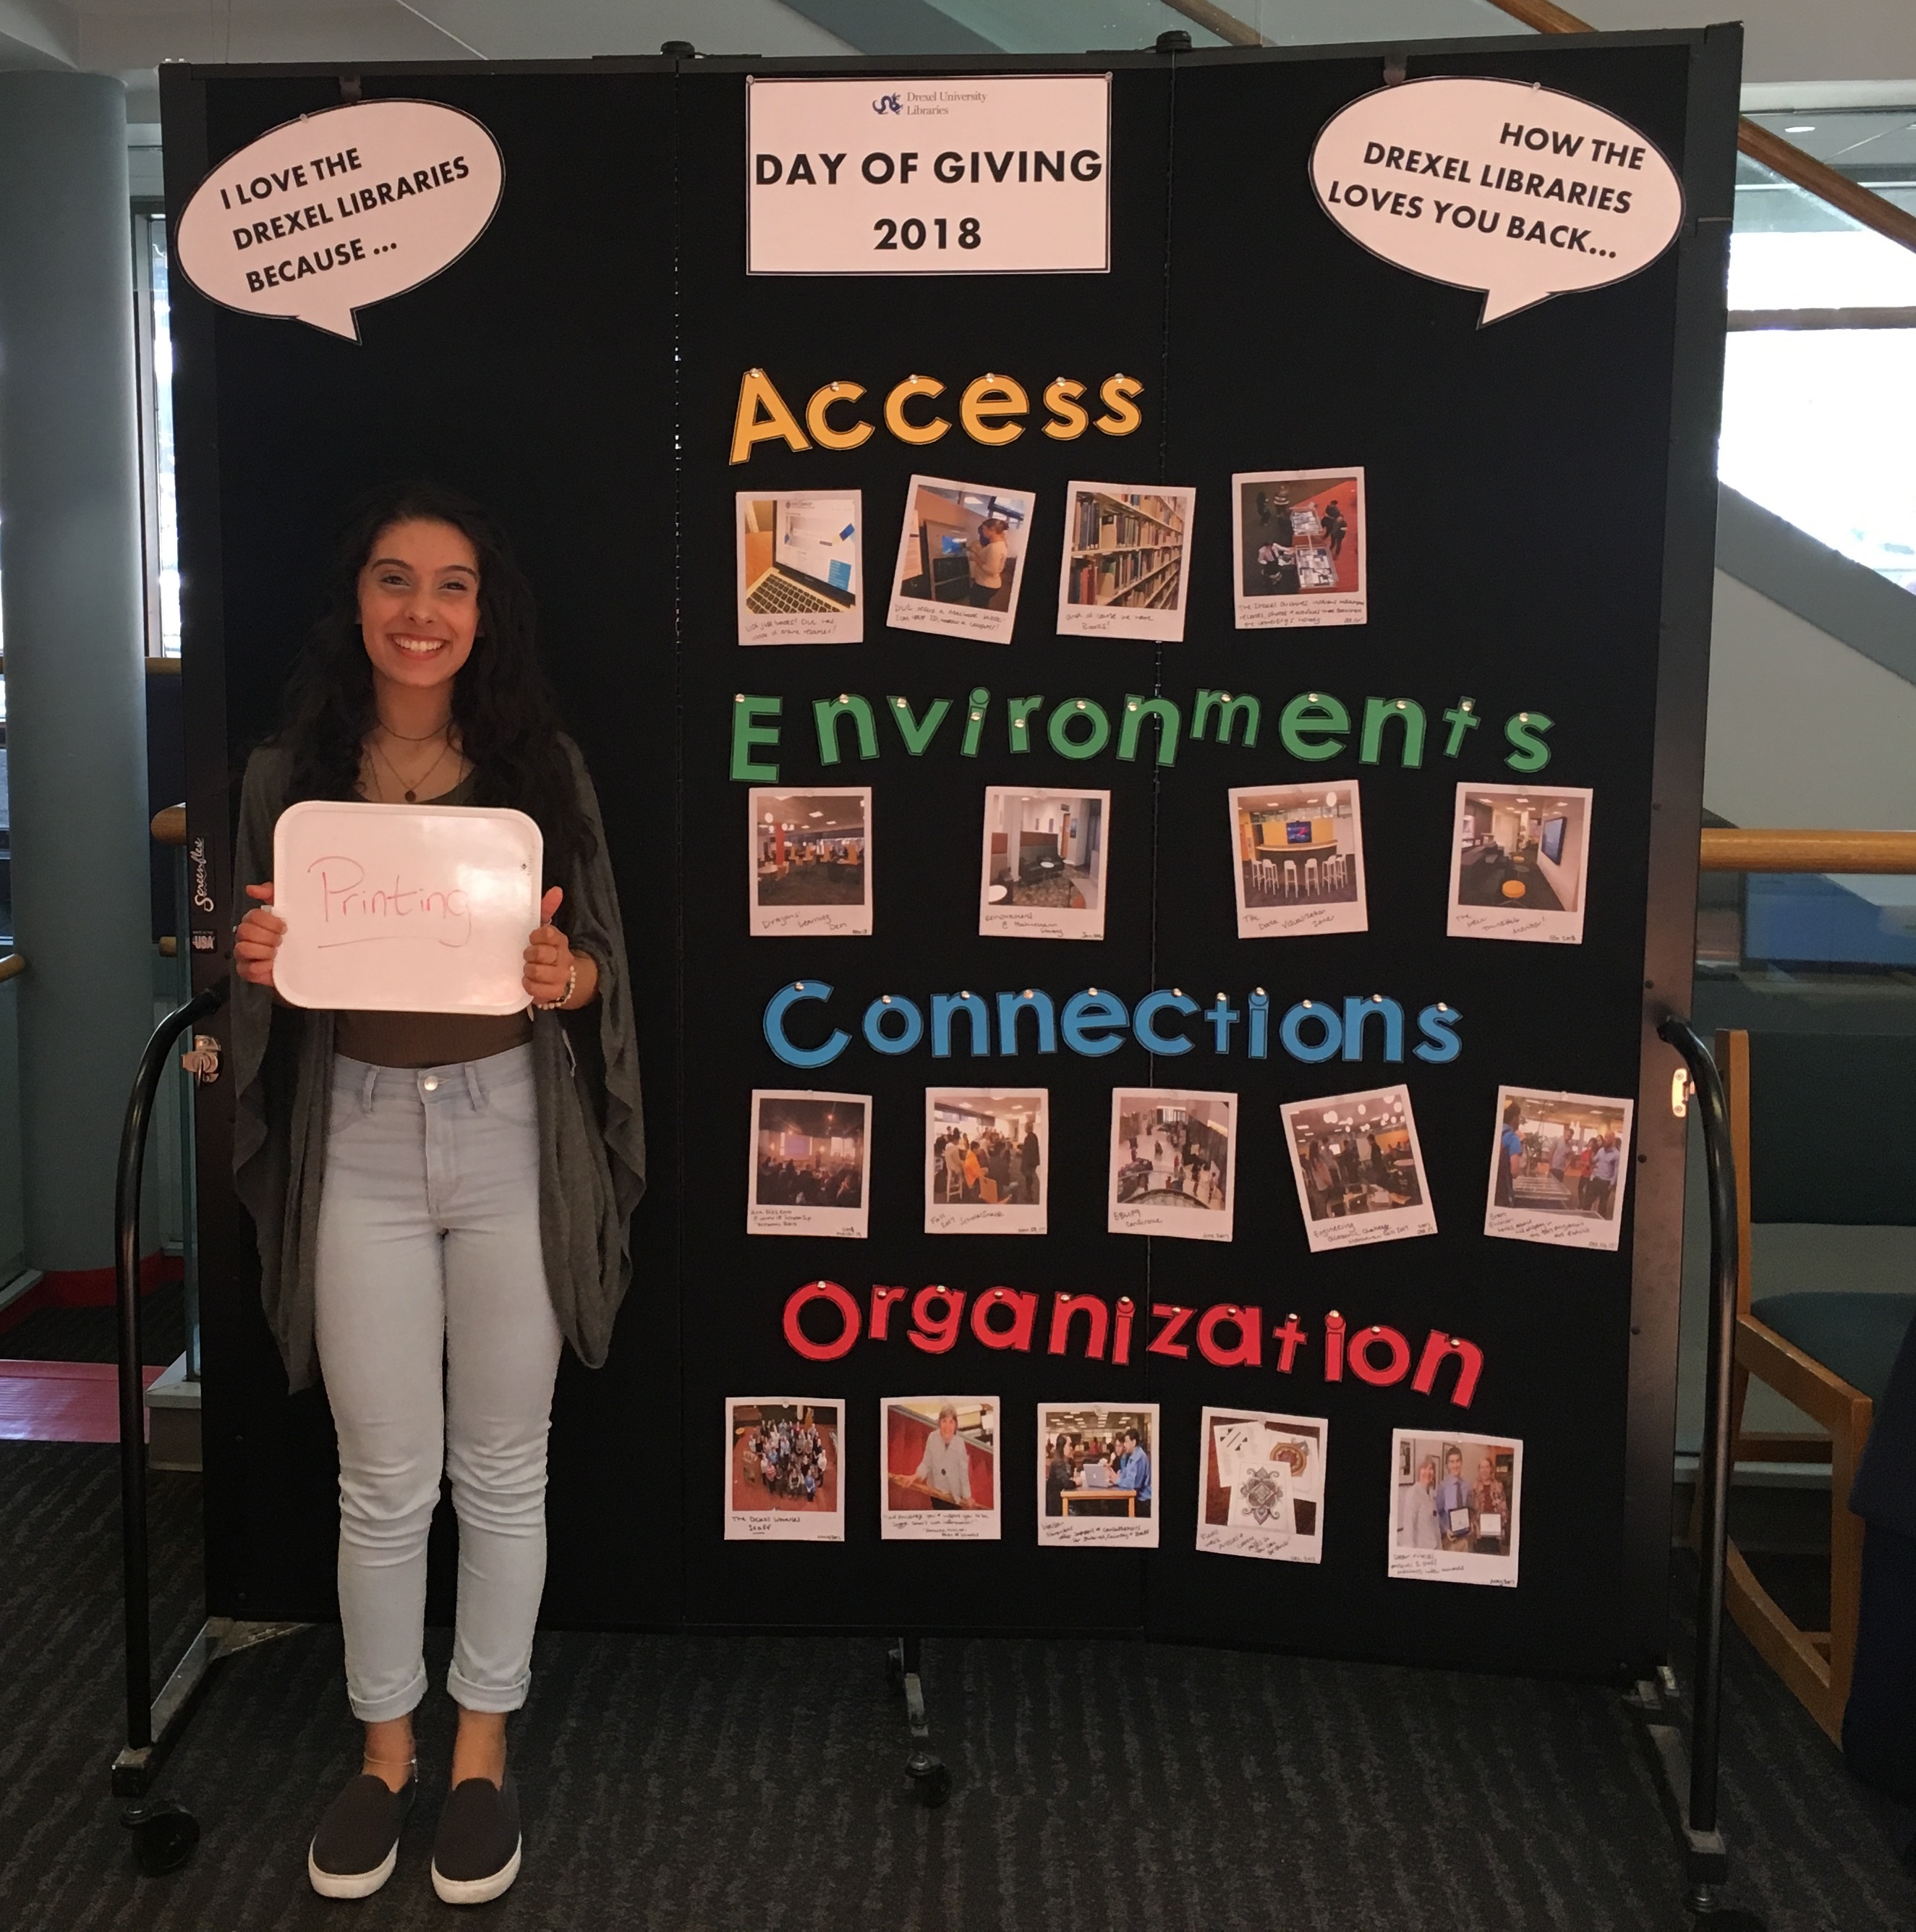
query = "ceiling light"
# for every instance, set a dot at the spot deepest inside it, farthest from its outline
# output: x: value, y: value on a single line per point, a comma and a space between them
x: 1802, y: 127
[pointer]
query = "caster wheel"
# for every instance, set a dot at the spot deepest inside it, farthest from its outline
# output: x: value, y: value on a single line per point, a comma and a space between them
x: 931, y: 1781
x: 164, y: 1833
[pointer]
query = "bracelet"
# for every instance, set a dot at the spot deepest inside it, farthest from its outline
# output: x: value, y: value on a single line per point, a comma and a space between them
x: 571, y: 987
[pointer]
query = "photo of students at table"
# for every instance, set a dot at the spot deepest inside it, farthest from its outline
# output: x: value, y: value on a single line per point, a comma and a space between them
x: 1356, y: 1158
x: 1520, y: 849
x: 1097, y: 1462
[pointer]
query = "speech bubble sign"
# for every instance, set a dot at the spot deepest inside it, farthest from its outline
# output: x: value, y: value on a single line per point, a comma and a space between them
x: 322, y: 215
x: 1517, y: 189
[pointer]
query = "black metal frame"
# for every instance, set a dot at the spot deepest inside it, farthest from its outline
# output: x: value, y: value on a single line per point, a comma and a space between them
x: 1689, y: 1775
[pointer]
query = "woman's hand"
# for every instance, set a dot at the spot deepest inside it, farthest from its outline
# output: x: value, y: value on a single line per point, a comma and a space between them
x: 550, y: 962
x: 258, y: 938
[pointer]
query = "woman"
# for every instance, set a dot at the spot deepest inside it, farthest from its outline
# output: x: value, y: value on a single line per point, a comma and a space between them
x: 440, y: 1199
x: 1490, y: 1499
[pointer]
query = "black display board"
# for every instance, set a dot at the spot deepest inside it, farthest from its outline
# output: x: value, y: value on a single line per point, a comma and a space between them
x: 1540, y: 526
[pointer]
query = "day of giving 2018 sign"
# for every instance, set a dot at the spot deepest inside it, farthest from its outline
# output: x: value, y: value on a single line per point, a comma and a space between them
x: 963, y: 174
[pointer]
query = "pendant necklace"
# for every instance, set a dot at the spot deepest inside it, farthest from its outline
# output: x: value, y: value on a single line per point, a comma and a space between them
x: 412, y: 791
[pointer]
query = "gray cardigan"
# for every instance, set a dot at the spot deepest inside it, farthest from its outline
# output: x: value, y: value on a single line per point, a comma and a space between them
x: 592, y: 1137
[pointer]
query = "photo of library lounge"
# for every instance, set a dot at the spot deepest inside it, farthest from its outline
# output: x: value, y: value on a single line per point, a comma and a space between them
x: 1297, y: 844
x: 811, y: 849
x: 1044, y: 851
x: 1521, y: 849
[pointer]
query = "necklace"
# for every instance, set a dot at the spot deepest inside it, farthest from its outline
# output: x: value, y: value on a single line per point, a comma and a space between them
x: 412, y: 791
x: 422, y: 739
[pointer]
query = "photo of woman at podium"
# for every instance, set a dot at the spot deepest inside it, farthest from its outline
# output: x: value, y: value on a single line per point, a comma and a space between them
x: 440, y: 1197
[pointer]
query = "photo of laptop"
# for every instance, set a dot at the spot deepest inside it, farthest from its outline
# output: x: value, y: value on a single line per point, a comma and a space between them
x: 814, y: 557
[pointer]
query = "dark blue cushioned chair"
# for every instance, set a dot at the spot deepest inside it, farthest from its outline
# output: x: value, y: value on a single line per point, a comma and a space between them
x: 1824, y: 1127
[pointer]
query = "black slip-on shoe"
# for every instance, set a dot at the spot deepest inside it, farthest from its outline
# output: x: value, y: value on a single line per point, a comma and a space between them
x: 475, y: 1856
x: 357, y: 1845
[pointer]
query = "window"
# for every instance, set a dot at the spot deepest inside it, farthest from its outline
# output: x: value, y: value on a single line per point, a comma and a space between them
x: 1819, y: 390
x: 159, y: 507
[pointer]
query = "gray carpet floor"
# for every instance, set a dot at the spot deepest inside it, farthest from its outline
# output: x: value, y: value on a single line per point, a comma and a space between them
x: 693, y: 1782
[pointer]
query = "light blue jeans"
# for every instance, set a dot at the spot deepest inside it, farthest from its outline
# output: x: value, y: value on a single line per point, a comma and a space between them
x: 439, y: 1348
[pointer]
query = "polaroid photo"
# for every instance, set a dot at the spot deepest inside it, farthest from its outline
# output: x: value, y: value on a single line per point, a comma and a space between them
x: 1300, y: 548
x: 1558, y: 1166
x: 1519, y: 859
x: 1171, y: 1163
x: 801, y: 569
x: 785, y: 1470
x: 1359, y: 1168
x: 1042, y: 873
x: 941, y: 1469
x: 808, y: 855
x: 987, y: 1161
x: 1299, y: 852
x: 1260, y: 1485
x: 1096, y: 1470
x: 811, y: 1171
x: 1127, y: 561
x: 961, y: 559
x: 1455, y: 1502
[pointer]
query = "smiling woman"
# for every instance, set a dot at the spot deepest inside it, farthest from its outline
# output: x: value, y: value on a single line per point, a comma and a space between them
x: 441, y: 1198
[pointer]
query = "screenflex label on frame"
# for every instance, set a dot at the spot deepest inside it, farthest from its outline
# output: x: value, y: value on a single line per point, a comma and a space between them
x: 984, y: 174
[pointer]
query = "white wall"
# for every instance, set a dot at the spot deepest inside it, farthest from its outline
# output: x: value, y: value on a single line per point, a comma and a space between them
x: 1803, y: 730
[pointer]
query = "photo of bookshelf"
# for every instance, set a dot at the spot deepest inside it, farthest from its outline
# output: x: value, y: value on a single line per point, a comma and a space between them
x: 1126, y: 557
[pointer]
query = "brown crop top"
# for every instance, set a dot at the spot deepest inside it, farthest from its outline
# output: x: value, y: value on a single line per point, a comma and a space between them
x: 430, y: 1039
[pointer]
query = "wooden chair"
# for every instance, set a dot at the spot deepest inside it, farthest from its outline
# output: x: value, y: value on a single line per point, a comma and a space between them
x: 1831, y: 1140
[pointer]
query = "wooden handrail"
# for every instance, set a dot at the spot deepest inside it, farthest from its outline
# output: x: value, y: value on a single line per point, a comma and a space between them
x: 168, y: 825
x: 12, y: 967
x: 1738, y: 848
x: 1781, y: 157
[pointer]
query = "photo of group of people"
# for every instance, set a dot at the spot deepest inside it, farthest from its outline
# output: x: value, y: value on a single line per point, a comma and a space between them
x: 1042, y: 874
x: 1519, y: 857
x: 1454, y: 1508
x: 811, y: 1164
x: 1094, y: 1475
x: 786, y: 1470
x: 1359, y: 1169
x: 941, y: 1469
x: 1559, y: 1169
x: 1301, y: 548
x: 1299, y: 860
x: 1126, y: 561
x: 800, y: 569
x: 985, y: 1163
x: 1260, y: 1485
x: 810, y: 855
x: 1171, y: 1163
x: 961, y: 559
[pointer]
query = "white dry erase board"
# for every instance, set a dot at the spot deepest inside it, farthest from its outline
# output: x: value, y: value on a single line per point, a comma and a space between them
x: 405, y: 908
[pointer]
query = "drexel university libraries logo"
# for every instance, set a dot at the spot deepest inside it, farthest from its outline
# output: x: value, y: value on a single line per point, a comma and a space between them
x: 887, y: 103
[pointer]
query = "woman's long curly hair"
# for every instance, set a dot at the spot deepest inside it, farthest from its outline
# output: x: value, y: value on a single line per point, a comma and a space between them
x: 503, y: 708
